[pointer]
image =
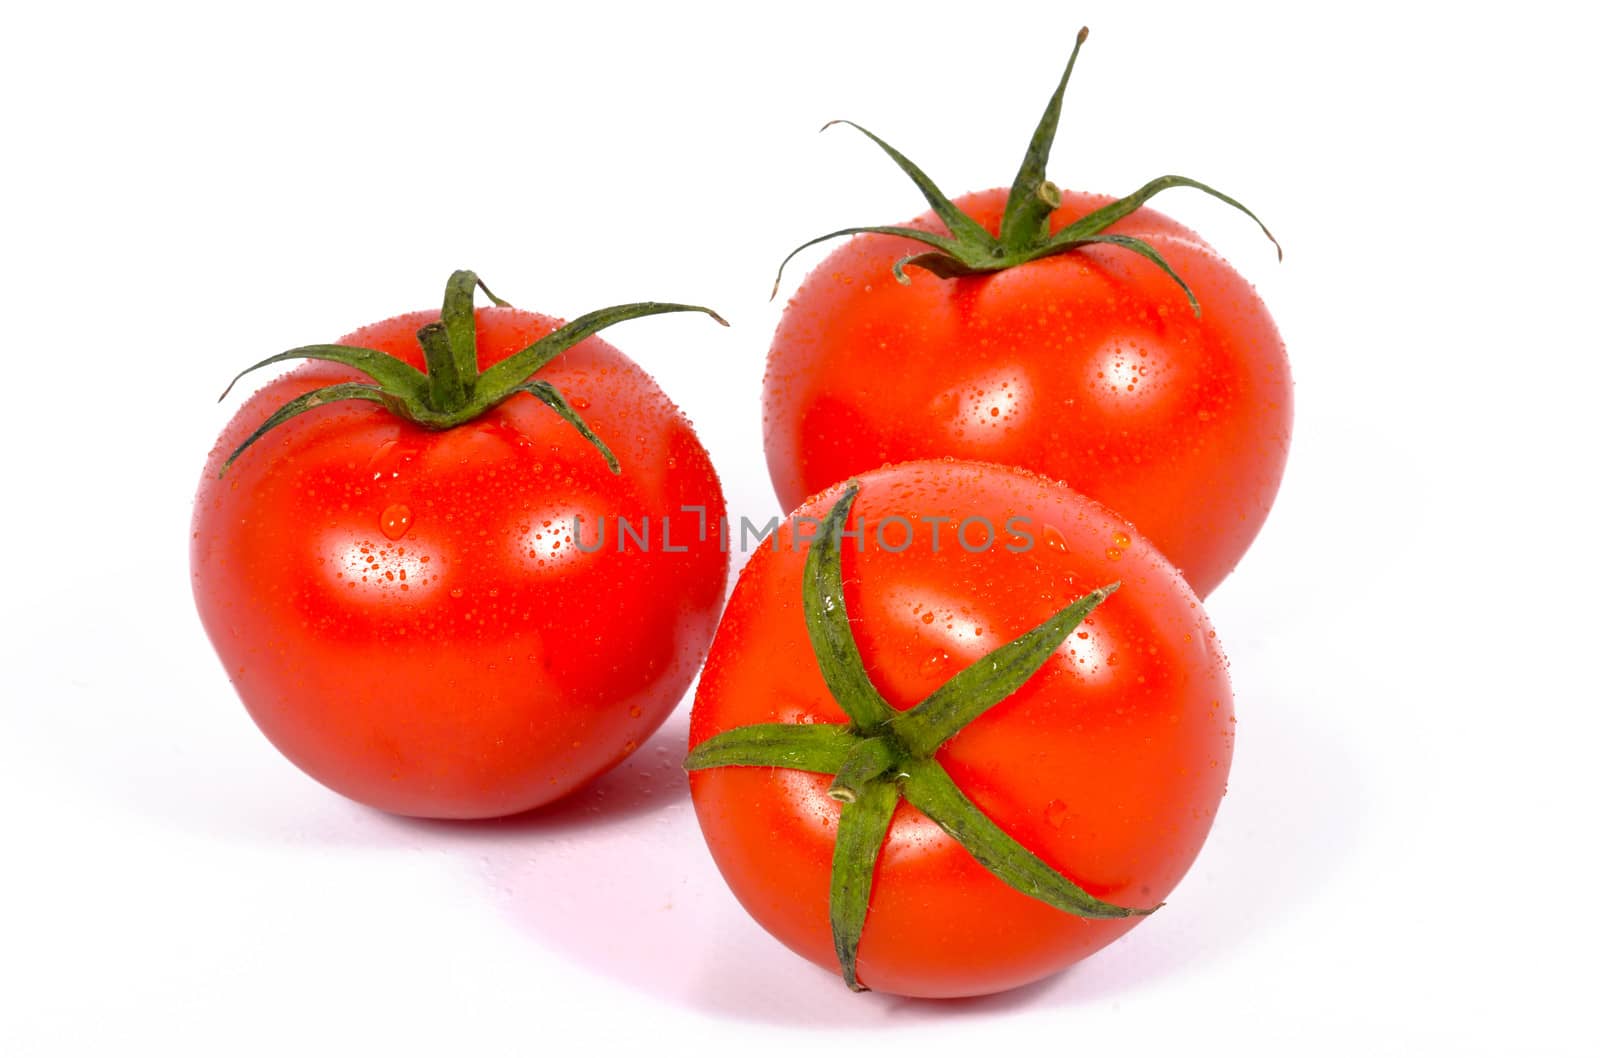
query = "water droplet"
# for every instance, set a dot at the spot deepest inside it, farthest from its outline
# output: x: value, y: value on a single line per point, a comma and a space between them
x: 456, y: 593
x: 378, y: 457
x: 1055, y: 813
x: 1113, y: 553
x: 395, y: 520
x: 1121, y: 539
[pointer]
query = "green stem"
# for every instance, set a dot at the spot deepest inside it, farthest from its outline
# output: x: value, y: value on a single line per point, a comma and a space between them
x: 447, y: 390
x: 867, y: 760
x: 460, y: 321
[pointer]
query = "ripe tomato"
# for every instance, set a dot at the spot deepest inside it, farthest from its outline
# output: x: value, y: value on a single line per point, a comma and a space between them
x: 405, y: 612
x: 1107, y: 763
x: 1089, y: 365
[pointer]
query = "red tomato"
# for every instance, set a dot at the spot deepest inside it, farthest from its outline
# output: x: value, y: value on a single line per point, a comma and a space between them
x: 1088, y: 367
x: 1108, y: 763
x: 405, y: 612
x: 1081, y: 359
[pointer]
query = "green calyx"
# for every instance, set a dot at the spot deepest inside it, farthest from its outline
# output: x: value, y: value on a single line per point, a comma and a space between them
x: 452, y: 390
x: 969, y: 249
x: 883, y: 754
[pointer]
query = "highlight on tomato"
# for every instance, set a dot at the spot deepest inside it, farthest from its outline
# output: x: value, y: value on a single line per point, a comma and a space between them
x: 436, y: 560
x: 1091, y: 339
x: 960, y: 727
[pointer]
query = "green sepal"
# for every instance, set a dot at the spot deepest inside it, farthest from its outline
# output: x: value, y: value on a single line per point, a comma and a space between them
x: 828, y: 623
x: 962, y: 227
x: 1027, y: 214
x: 930, y: 789
x: 387, y: 371
x: 557, y: 403
x: 946, y: 267
x: 1149, y: 253
x: 804, y: 747
x: 304, y: 403
x: 932, y: 262
x: 863, y: 826
x: 501, y: 380
x: 1099, y: 220
x: 990, y: 680
x: 944, y: 244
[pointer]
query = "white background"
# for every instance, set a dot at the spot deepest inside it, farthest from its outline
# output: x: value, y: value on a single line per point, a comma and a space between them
x: 1405, y: 860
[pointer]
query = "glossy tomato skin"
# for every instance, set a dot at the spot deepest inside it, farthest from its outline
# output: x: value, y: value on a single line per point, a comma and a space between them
x: 1109, y: 763
x: 1088, y: 367
x: 405, y: 613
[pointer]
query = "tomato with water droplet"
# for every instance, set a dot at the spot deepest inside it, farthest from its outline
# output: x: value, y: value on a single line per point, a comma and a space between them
x: 404, y: 611
x: 1109, y: 380
x: 1108, y: 763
